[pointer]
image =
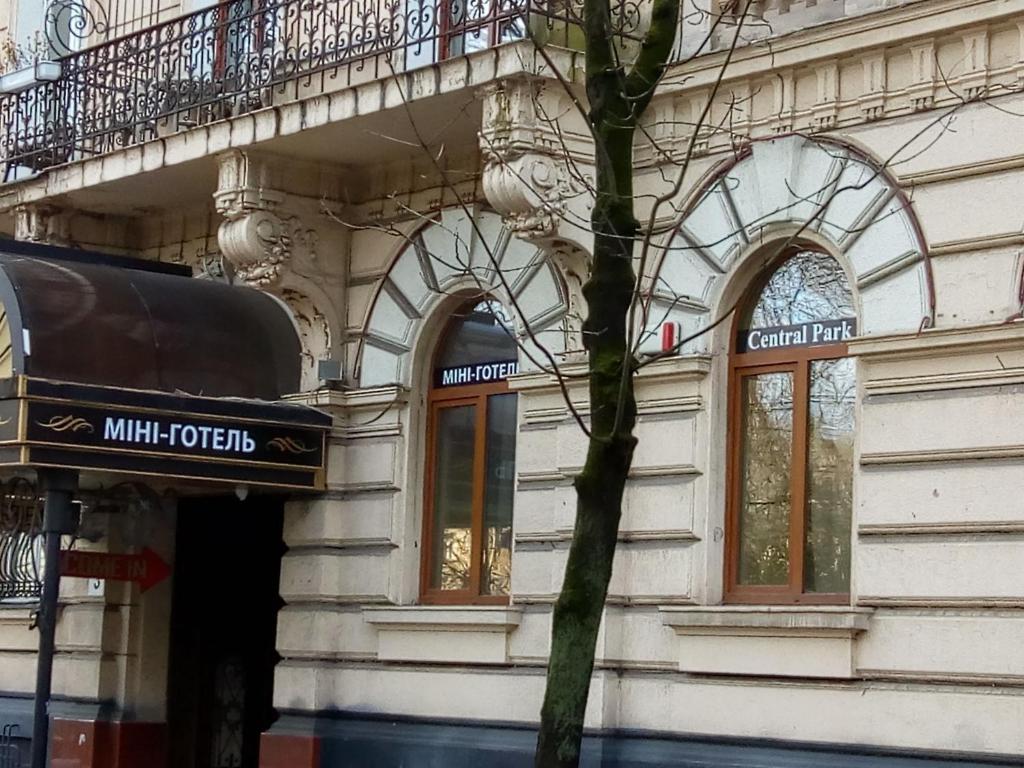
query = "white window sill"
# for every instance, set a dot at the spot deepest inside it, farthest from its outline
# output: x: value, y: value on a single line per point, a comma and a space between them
x: 787, y: 641
x: 766, y: 619
x: 499, y: 618
x: 446, y: 634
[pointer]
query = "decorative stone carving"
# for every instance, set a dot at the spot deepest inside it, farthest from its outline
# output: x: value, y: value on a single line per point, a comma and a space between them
x: 528, y: 171
x: 213, y: 266
x: 271, y: 246
x: 314, y: 329
x: 261, y: 244
x: 826, y: 110
x: 922, y: 89
x: 784, y: 99
x: 872, y: 101
x: 256, y: 236
x: 42, y: 224
x: 530, y: 192
x: 245, y: 183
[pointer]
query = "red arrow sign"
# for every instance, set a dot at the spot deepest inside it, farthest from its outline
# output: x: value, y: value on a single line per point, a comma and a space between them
x: 147, y: 568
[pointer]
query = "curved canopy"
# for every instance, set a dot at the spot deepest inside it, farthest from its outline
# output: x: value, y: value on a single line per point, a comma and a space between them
x: 92, y: 319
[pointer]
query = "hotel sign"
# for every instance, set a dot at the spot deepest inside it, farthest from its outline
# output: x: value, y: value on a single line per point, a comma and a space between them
x: 475, y: 373
x: 153, y: 433
x: 814, y: 333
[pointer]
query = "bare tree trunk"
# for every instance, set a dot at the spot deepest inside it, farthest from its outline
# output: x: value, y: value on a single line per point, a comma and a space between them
x: 617, y: 100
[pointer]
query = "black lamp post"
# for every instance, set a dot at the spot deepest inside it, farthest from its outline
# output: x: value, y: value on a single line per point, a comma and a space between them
x: 60, y: 486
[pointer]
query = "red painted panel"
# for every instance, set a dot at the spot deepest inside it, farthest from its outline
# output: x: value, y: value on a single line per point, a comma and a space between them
x: 75, y: 743
x: 136, y: 744
x: 288, y: 751
x: 90, y: 744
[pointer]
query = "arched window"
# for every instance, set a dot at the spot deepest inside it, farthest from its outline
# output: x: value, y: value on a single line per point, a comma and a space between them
x: 792, y: 392
x: 467, y: 554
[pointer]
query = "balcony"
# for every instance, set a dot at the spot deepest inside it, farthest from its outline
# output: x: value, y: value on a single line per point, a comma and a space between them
x: 245, y: 55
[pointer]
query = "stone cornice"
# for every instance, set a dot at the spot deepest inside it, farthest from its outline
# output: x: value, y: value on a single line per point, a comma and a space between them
x: 940, y: 342
x: 843, y: 38
x: 808, y: 80
x: 675, y: 367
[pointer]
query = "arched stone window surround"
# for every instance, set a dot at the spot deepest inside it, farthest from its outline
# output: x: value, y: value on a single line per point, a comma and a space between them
x: 772, y: 192
x: 448, y: 256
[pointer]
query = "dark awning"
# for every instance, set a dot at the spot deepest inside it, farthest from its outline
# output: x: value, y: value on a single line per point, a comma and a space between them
x: 129, y: 366
x: 140, y: 325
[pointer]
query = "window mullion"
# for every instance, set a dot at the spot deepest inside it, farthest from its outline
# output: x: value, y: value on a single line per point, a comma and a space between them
x: 427, y: 558
x: 734, y: 478
x: 798, y: 477
x: 479, y: 483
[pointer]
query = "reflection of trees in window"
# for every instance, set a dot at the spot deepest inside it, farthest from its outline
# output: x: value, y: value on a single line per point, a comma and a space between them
x: 768, y: 449
x: 474, y: 25
x: 453, y: 496
x: 456, y: 558
x: 792, y: 445
x: 808, y: 286
x: 829, y: 476
x: 499, y: 492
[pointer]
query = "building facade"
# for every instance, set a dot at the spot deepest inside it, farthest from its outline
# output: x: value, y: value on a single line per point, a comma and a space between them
x: 818, y: 561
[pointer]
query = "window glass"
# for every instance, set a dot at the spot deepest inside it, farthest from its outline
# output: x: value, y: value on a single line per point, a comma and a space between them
x: 453, y: 497
x: 483, y: 334
x: 829, y: 476
x: 28, y: 23
x: 767, y: 458
x: 807, y: 286
x: 475, y: 25
x: 500, y: 472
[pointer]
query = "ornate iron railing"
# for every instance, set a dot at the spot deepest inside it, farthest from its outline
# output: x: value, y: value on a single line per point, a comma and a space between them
x: 10, y: 746
x: 242, y: 55
x: 21, y: 550
x: 69, y: 23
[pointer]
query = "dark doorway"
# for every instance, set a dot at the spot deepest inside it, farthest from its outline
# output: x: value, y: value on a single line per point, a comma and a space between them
x: 223, y: 626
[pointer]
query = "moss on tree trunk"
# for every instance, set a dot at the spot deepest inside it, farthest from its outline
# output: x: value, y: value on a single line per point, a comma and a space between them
x: 617, y: 100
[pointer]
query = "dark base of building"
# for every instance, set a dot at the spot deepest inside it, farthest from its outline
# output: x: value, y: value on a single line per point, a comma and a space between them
x: 90, y: 736
x: 82, y: 735
x: 347, y: 741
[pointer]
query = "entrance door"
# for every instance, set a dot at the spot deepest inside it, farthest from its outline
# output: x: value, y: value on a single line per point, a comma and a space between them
x: 223, y: 627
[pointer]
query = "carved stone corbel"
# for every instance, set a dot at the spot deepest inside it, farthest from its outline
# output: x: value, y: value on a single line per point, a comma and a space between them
x: 272, y: 248
x: 256, y: 236
x: 261, y: 244
x: 527, y: 175
x: 40, y: 223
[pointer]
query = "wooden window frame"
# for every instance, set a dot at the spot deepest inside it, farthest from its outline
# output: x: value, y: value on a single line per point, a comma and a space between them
x: 222, y: 44
x: 450, y: 31
x: 438, y: 400
x: 796, y: 360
